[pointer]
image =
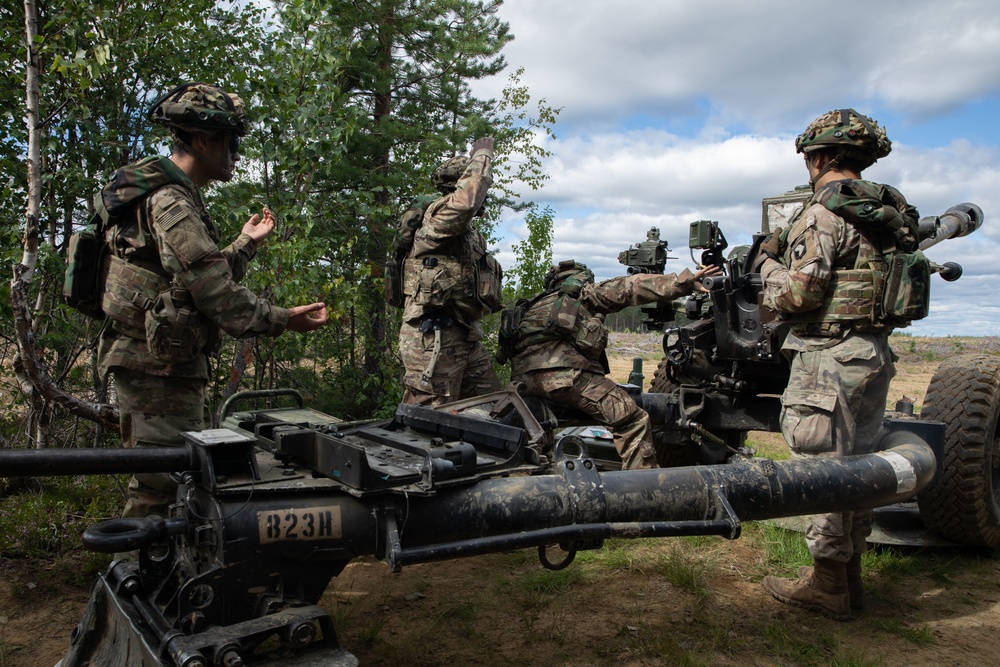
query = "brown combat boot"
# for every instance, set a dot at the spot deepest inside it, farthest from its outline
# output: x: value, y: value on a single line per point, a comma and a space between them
x: 855, y: 586
x: 823, y: 591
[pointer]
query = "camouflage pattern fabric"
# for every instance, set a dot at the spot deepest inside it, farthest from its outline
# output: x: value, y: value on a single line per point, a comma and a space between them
x: 455, y: 364
x: 835, y: 398
x: 872, y: 206
x: 445, y: 224
x: 202, y: 109
x: 135, y: 181
x: 846, y: 131
x: 154, y: 412
x: 463, y: 367
x: 173, y: 236
x: 824, y: 282
x: 602, y: 399
x: 833, y: 406
x: 818, y: 244
x: 446, y: 176
x: 556, y: 370
x: 602, y: 298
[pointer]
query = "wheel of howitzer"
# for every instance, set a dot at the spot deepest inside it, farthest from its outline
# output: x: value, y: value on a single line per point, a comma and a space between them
x: 672, y: 454
x: 963, y: 503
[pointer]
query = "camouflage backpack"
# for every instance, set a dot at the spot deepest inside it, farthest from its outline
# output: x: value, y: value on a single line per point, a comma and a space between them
x: 884, y: 217
x: 556, y: 313
x: 89, y: 253
x: 86, y: 257
x: 406, y: 229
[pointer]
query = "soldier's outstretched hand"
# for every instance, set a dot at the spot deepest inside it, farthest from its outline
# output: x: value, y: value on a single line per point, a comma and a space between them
x: 709, y: 271
x: 307, y: 318
x: 259, y: 228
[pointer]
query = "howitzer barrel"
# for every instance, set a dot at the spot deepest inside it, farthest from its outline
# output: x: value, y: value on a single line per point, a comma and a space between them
x: 52, y: 462
x: 652, y: 502
x: 243, y: 549
x: 959, y: 220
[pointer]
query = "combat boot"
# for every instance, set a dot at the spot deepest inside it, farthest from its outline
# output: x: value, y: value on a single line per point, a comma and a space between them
x: 855, y: 586
x: 823, y: 591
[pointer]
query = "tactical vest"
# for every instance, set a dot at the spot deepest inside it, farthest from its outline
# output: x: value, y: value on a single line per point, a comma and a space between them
x: 556, y: 314
x: 888, y: 284
x: 402, y: 242
x: 143, y: 303
x: 469, y: 281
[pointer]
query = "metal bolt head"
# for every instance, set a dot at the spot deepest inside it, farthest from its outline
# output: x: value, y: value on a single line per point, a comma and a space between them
x: 303, y: 634
x: 230, y: 658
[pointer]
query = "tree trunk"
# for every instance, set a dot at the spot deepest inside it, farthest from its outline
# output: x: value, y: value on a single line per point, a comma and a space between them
x: 41, y: 392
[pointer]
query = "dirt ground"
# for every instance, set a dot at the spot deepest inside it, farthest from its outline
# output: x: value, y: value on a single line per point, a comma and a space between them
x: 941, y: 609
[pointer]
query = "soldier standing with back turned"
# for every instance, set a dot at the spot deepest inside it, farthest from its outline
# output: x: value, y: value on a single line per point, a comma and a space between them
x: 823, y: 275
x: 450, y: 281
x: 170, y: 290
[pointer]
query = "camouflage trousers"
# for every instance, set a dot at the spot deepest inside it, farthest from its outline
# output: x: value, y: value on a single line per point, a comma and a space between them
x: 603, y: 400
x: 154, y: 411
x: 833, y: 406
x: 444, y: 365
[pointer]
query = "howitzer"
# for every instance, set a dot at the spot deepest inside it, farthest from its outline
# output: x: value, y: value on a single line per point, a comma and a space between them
x: 722, y: 375
x: 272, y: 507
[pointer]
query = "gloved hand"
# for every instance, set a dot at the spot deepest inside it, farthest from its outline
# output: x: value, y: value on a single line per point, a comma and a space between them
x: 772, y: 244
x: 481, y: 143
x: 769, y: 249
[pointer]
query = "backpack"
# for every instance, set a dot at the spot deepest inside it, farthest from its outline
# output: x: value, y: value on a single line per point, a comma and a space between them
x: 907, y: 288
x: 551, y: 315
x: 881, y: 212
x: 406, y: 229
x: 86, y: 262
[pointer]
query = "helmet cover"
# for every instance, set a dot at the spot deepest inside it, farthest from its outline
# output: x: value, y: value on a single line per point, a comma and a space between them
x: 568, y: 276
x: 200, y: 108
x: 846, y: 131
x: 446, y: 176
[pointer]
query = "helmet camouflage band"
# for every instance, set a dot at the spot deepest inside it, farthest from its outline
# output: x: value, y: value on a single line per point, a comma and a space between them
x: 569, y: 273
x: 848, y: 132
x: 200, y: 108
x: 446, y: 176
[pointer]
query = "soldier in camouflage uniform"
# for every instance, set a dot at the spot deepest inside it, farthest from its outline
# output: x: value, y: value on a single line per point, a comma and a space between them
x: 170, y: 290
x: 450, y: 281
x: 557, y: 347
x: 823, y: 276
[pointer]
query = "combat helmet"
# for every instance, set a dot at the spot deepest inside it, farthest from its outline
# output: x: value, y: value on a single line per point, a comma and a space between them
x: 569, y: 277
x: 847, y: 133
x: 200, y: 108
x: 446, y: 176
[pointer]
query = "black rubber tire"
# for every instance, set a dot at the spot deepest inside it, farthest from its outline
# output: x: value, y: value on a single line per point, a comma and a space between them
x: 661, y: 382
x: 685, y: 453
x: 963, y: 503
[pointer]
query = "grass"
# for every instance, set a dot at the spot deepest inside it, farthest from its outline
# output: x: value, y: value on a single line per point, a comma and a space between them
x: 48, y: 519
x: 783, y: 550
x: 921, y: 635
x: 686, y: 576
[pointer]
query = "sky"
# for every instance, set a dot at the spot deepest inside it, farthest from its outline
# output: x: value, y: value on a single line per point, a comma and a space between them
x: 682, y: 110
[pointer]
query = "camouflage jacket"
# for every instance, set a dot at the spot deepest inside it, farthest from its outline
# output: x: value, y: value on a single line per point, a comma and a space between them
x: 599, y: 299
x: 821, y: 242
x: 173, y: 236
x: 445, y: 224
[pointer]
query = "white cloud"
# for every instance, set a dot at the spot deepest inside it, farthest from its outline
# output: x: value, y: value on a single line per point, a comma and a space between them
x: 678, y: 111
x: 767, y: 64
